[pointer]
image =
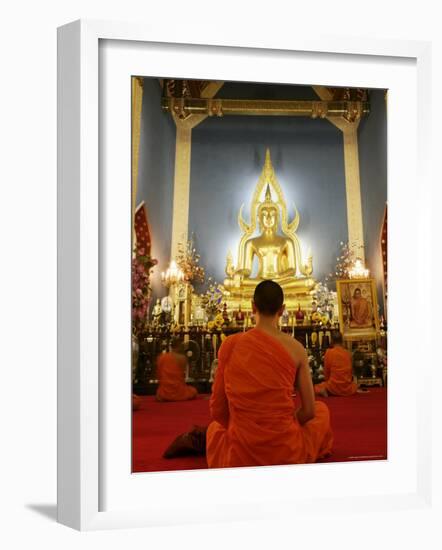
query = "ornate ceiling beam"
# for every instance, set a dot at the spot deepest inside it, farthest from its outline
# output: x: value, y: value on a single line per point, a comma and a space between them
x: 183, y: 107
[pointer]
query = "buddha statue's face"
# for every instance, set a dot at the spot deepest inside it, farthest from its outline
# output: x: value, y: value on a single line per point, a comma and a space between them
x: 268, y: 218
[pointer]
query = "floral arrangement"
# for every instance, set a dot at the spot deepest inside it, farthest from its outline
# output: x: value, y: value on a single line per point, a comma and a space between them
x: 325, y: 299
x: 316, y: 317
x: 212, y: 298
x: 188, y: 261
x: 142, y: 264
x: 217, y: 323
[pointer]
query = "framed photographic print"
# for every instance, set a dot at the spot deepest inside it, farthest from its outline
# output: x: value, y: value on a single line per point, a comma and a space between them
x: 358, y: 308
x: 251, y: 165
x: 101, y: 69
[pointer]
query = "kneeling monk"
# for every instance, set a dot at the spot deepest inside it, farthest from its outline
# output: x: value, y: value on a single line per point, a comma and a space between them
x: 254, y: 420
x: 171, y: 372
x: 337, y: 370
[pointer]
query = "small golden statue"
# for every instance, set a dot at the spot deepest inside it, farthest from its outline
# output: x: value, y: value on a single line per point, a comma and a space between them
x: 277, y: 248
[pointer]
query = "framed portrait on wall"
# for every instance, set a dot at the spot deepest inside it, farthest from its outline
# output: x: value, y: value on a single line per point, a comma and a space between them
x: 358, y: 308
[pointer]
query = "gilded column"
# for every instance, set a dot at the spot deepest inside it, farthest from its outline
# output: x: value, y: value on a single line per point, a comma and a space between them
x: 352, y: 177
x: 353, y: 190
x: 181, y: 186
x: 137, y: 101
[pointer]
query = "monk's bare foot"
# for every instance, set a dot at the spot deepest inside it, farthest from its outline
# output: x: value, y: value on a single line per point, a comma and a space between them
x: 188, y: 444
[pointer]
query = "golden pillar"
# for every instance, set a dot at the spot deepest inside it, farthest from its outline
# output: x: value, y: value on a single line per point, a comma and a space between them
x: 181, y: 185
x: 352, y: 177
x: 353, y: 190
x: 137, y: 101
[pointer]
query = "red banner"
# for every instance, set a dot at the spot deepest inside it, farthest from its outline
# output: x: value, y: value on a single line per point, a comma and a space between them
x: 142, y: 232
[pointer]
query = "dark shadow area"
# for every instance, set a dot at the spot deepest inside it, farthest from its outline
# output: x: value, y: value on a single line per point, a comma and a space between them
x: 47, y: 510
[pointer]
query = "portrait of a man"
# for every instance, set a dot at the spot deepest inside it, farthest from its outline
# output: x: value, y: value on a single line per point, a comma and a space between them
x: 357, y: 306
x: 361, y: 315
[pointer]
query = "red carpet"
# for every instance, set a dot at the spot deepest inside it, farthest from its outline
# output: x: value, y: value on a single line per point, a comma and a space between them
x: 359, y: 424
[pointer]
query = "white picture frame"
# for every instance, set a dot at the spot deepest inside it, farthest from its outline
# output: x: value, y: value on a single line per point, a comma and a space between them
x: 86, y: 384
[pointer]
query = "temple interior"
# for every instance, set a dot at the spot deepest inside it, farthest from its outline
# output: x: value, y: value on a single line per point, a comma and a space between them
x: 234, y: 183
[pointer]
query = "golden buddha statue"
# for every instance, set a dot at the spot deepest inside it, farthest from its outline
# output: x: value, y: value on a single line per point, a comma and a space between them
x: 278, y: 255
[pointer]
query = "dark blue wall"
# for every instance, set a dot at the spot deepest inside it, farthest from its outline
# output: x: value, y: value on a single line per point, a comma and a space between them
x: 227, y: 159
x: 155, y: 176
x: 373, y: 171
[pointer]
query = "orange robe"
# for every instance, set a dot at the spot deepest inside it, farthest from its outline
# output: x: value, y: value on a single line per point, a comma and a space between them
x: 337, y: 372
x: 252, y: 408
x: 361, y: 314
x: 171, y: 375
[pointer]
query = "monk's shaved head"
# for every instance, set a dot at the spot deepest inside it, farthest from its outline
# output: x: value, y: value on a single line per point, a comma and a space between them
x: 268, y: 297
x: 336, y: 337
x: 177, y: 345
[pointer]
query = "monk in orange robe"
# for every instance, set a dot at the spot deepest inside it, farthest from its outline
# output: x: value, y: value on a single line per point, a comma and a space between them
x: 337, y: 370
x: 254, y: 418
x: 171, y: 372
x: 360, y: 311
